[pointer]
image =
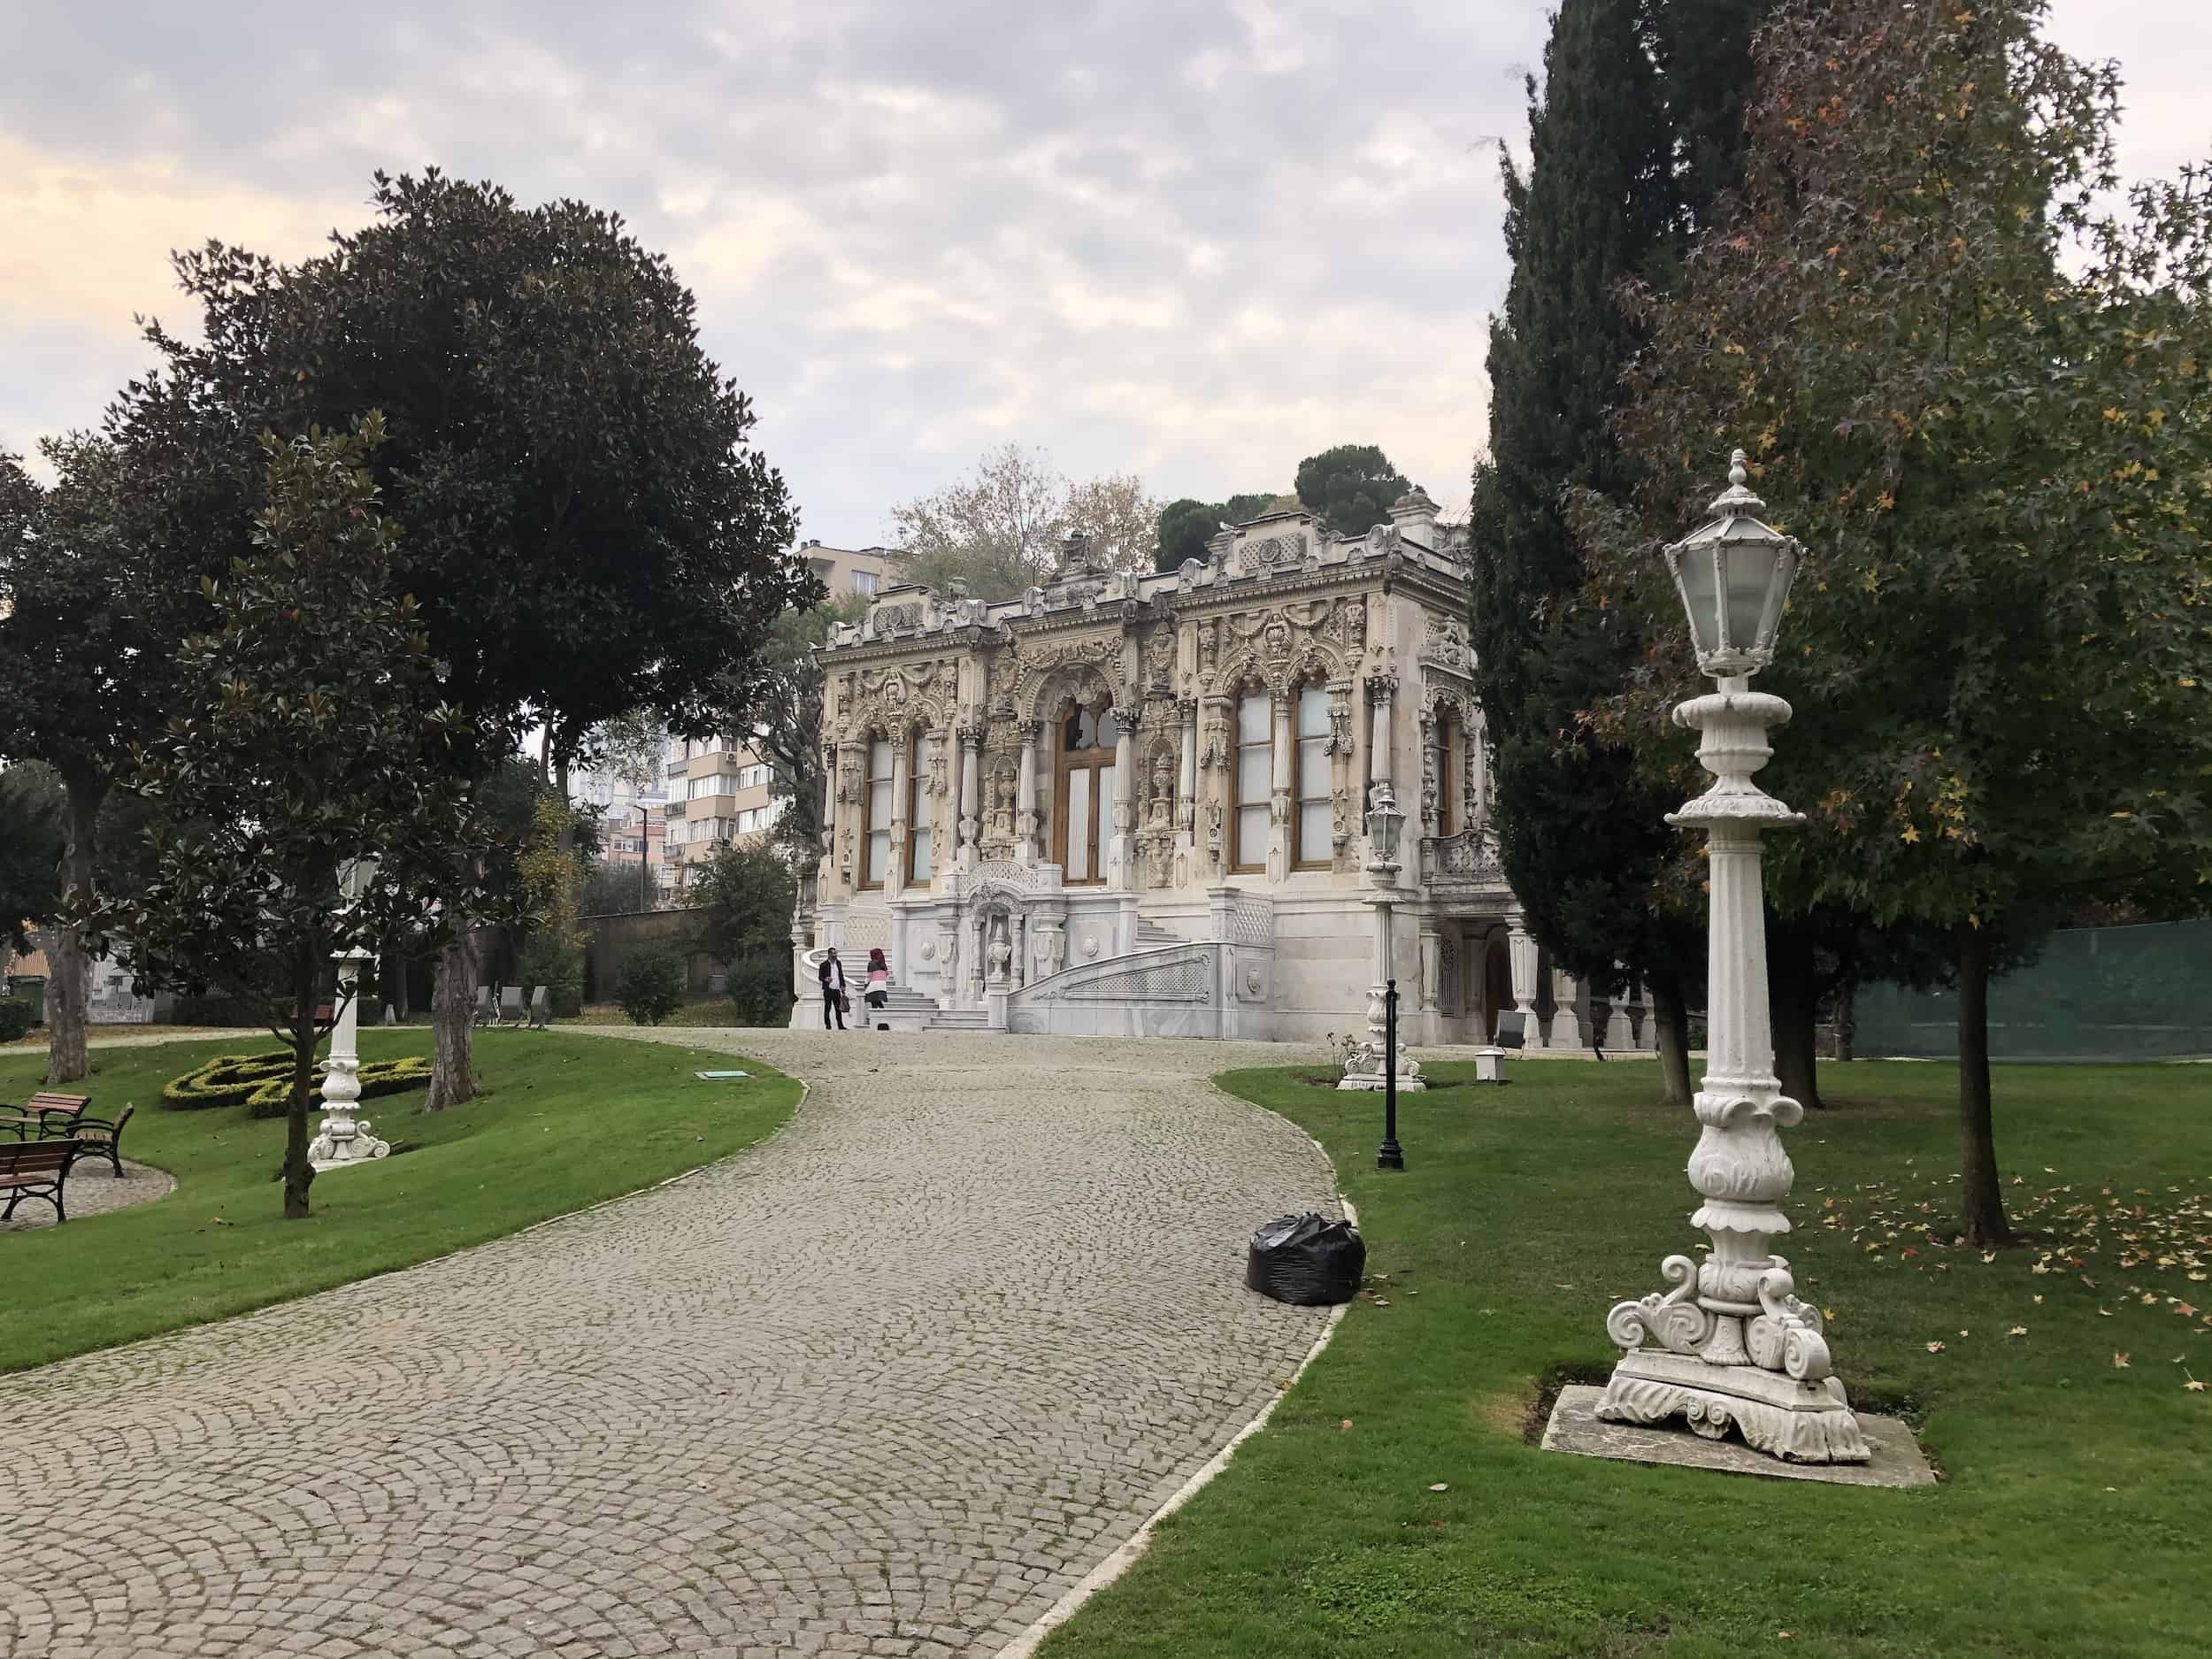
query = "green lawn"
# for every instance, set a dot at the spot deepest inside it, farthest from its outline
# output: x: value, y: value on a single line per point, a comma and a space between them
x: 565, y: 1121
x: 2074, y: 1515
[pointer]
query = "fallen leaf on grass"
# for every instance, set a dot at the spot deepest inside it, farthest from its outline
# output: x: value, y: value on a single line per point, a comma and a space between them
x: 218, y: 1221
x: 1935, y: 1348
x: 2119, y: 1360
x: 2017, y: 1330
x: 1346, y: 1423
x: 2192, y: 1385
x: 1441, y: 1487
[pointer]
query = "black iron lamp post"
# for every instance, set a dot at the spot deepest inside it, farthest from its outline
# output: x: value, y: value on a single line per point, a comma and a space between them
x: 1384, y: 821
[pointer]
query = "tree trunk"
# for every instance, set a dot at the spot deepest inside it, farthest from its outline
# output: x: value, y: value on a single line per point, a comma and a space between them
x: 1981, y: 1197
x: 1794, y: 1006
x: 298, y: 1175
x: 1672, y: 1020
x: 452, y: 1014
x: 1846, y: 1018
x: 68, y: 974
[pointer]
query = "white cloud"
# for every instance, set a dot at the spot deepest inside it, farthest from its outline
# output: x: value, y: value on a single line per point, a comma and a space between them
x: 1199, y: 238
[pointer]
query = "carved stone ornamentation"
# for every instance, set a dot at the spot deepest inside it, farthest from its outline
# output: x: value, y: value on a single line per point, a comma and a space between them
x: 1159, y: 658
x: 1272, y: 553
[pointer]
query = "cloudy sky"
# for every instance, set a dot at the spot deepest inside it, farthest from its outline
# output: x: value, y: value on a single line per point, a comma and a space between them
x: 1193, y: 239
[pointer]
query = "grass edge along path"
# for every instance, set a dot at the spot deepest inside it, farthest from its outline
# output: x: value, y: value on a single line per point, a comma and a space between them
x: 2050, y: 1384
x: 564, y: 1123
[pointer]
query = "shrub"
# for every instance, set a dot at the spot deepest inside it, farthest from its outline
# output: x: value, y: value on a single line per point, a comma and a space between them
x: 760, y: 986
x: 17, y: 1015
x: 650, y: 984
x: 208, y: 1009
x: 263, y: 1082
x: 560, y: 971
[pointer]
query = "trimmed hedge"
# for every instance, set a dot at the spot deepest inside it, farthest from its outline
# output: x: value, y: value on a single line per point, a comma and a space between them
x: 263, y: 1082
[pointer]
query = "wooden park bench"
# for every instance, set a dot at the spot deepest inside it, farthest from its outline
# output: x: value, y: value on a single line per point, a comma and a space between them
x: 35, y: 1168
x: 69, y: 1118
x: 28, y: 1120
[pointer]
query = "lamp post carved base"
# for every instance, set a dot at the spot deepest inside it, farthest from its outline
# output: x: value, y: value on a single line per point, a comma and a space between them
x: 1798, y: 1422
x: 1735, y: 1348
x: 344, y: 1140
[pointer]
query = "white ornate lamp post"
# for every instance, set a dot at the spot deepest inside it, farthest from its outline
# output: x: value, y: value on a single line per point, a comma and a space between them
x: 1729, y: 1342
x: 1376, y: 1063
x: 344, y: 1140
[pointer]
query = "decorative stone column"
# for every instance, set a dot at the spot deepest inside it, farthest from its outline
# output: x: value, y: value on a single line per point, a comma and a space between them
x: 1121, y: 855
x: 344, y: 1140
x: 971, y: 794
x: 1567, y: 1016
x: 1187, y: 794
x: 1382, y: 693
x: 1521, y: 955
x: 1282, y: 749
x: 1025, y: 849
x: 1735, y: 1345
x: 895, y: 878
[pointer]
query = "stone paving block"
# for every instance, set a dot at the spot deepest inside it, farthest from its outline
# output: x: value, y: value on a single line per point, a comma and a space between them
x: 911, y: 1366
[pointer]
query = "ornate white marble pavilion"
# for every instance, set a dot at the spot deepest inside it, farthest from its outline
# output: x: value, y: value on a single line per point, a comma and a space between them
x: 1133, y: 803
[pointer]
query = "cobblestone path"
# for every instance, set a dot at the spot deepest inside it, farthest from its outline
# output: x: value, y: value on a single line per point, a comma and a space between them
x: 888, y: 1384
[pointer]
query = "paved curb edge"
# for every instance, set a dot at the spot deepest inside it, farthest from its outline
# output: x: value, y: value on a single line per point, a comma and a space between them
x: 1133, y: 1548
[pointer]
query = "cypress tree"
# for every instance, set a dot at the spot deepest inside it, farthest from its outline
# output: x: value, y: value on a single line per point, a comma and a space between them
x: 1632, y: 135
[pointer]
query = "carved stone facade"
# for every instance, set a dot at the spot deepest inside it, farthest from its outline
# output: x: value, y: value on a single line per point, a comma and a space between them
x: 1146, y: 794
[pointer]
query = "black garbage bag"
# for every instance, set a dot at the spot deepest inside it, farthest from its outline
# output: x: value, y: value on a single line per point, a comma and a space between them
x: 1306, y: 1260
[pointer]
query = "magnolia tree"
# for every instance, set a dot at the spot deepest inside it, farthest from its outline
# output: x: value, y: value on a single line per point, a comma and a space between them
x: 1980, y: 394
x: 588, y: 525
x: 306, y: 801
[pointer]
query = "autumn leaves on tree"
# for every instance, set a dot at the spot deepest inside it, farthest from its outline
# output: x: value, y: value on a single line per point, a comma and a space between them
x: 1973, y: 380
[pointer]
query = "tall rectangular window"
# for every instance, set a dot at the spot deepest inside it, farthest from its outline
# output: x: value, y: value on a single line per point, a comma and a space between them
x: 1311, y: 784
x: 917, y: 805
x: 878, y: 806
x: 1255, y: 781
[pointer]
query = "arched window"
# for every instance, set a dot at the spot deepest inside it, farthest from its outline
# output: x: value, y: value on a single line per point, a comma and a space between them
x: 1255, y: 781
x: 875, y: 818
x: 919, y: 866
x: 1083, y: 795
x: 1311, y: 784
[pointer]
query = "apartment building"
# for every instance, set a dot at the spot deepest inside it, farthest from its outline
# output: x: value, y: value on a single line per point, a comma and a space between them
x: 632, y: 820
x: 718, y: 789
x: 848, y: 571
x: 718, y: 793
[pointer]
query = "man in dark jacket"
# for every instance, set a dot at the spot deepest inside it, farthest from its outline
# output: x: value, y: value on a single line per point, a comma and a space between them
x: 832, y: 976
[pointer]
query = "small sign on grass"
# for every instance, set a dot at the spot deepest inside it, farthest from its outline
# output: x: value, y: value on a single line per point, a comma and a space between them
x: 716, y: 1077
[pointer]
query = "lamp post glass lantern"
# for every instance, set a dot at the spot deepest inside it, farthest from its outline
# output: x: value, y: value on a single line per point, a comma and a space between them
x: 1729, y: 1344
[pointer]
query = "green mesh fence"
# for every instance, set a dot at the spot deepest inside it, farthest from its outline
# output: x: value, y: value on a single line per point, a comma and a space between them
x: 2094, y: 993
